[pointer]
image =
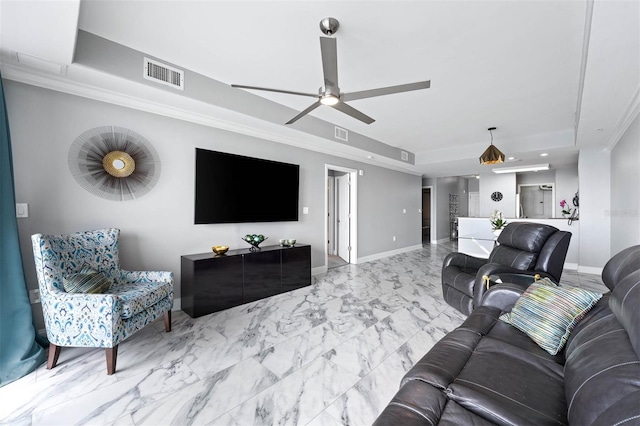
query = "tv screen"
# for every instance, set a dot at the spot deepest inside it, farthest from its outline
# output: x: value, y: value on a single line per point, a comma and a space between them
x: 233, y: 189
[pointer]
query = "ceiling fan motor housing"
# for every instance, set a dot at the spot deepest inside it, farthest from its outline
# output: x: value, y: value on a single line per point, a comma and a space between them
x: 329, y: 26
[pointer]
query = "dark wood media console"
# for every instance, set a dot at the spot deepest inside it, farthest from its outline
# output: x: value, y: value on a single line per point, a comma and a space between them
x: 211, y: 283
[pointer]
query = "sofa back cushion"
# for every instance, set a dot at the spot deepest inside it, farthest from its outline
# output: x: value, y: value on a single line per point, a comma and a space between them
x: 514, y: 258
x: 520, y: 245
x: 526, y: 236
x: 621, y: 265
x: 625, y: 305
x: 601, y: 367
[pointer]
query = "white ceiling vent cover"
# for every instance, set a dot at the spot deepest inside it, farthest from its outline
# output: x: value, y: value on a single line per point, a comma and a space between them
x: 342, y: 134
x: 404, y: 155
x: 163, y: 74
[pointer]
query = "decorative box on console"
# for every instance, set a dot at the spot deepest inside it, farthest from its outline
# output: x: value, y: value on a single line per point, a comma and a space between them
x: 211, y: 283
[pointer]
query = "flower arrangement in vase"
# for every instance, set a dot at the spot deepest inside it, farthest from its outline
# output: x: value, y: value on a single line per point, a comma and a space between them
x: 498, y: 222
x: 566, y: 210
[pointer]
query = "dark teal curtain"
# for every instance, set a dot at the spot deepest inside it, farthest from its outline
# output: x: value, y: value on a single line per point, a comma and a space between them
x: 20, y: 354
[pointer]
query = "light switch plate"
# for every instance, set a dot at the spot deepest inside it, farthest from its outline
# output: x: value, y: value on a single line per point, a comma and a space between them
x: 22, y: 210
x: 305, y: 210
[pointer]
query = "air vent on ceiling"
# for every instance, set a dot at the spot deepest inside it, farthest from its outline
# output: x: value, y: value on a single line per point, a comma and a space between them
x: 342, y: 134
x: 404, y: 155
x: 163, y: 74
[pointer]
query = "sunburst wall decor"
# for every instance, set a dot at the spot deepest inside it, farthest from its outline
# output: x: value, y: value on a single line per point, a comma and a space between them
x: 114, y: 163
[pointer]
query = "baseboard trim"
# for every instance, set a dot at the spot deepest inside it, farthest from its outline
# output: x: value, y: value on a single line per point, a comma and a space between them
x: 389, y: 253
x: 590, y: 270
x: 571, y: 266
x: 319, y: 270
x: 177, y: 304
x: 441, y: 241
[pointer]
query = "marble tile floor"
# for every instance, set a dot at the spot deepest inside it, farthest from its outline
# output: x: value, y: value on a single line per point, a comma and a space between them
x: 329, y: 354
x: 334, y: 261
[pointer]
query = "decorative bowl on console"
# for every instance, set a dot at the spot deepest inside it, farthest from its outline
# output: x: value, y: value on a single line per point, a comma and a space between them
x: 254, y: 240
x: 219, y: 250
x: 287, y: 242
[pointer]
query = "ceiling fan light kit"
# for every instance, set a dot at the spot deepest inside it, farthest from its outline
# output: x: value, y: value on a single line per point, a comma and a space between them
x: 329, y: 94
x: 491, y: 155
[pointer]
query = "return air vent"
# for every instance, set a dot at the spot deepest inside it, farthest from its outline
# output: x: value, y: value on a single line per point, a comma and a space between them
x: 163, y: 74
x: 342, y: 134
x: 404, y: 155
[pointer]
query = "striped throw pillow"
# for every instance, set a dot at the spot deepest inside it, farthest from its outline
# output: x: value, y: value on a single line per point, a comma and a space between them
x: 548, y: 314
x: 88, y: 280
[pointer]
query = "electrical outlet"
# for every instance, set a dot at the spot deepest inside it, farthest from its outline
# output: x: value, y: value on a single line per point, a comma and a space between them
x: 394, y: 238
x: 34, y: 296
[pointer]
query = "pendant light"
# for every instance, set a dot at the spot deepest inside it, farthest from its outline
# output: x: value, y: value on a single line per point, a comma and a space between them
x: 491, y: 155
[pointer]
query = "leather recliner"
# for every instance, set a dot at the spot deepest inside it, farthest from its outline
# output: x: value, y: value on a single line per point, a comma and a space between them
x: 523, y: 248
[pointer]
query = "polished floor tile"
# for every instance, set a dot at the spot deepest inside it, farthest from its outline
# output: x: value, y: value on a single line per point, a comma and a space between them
x: 329, y: 354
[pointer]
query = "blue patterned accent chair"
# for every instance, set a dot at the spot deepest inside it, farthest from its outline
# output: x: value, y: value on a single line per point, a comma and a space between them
x: 134, y: 299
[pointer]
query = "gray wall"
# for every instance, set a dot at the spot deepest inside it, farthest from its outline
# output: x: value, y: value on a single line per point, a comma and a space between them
x: 158, y: 228
x: 505, y: 183
x: 625, y: 190
x: 594, y: 169
x: 566, y: 186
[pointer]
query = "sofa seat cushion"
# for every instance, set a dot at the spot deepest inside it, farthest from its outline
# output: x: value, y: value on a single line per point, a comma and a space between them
x: 485, y: 321
x: 509, y: 385
x: 418, y: 403
x: 442, y: 364
x: 136, y: 297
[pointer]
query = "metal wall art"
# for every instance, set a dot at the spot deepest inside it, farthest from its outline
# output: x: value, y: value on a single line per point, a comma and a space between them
x: 114, y: 163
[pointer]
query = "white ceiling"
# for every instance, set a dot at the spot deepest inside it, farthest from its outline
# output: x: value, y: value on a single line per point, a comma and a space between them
x: 529, y: 68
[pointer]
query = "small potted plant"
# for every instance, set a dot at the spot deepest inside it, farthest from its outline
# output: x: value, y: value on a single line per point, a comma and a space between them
x: 498, y: 222
x: 566, y: 210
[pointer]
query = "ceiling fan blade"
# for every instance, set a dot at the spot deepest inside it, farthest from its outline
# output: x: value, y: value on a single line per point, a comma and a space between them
x: 349, y: 110
x: 329, y: 61
x: 385, y: 91
x: 305, y: 112
x: 288, y: 92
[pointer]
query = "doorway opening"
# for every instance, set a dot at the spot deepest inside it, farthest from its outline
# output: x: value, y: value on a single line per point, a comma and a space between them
x: 428, y: 215
x: 341, y: 212
x: 536, y: 201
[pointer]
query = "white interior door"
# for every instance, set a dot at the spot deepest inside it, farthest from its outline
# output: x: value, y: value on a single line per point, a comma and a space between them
x: 344, y: 222
x: 474, y: 204
x: 331, y: 216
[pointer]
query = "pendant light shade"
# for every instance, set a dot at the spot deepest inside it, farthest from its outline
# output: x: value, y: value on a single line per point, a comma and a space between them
x: 491, y: 155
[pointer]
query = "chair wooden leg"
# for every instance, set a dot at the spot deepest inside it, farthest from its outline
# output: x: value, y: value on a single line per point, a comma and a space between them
x: 54, y: 353
x: 167, y: 321
x: 112, y: 357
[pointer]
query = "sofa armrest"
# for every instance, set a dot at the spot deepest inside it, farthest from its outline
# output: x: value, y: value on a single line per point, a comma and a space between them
x: 146, y: 276
x: 503, y: 296
x: 463, y: 261
x: 493, y: 269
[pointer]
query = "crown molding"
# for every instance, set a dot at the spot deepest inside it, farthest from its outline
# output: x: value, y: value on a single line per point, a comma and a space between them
x: 630, y: 113
x: 257, y: 128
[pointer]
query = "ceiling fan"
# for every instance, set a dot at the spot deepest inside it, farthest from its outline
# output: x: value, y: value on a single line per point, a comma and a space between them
x: 329, y: 94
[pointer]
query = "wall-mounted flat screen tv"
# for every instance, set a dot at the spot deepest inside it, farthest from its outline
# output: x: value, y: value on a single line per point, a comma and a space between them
x: 235, y: 189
